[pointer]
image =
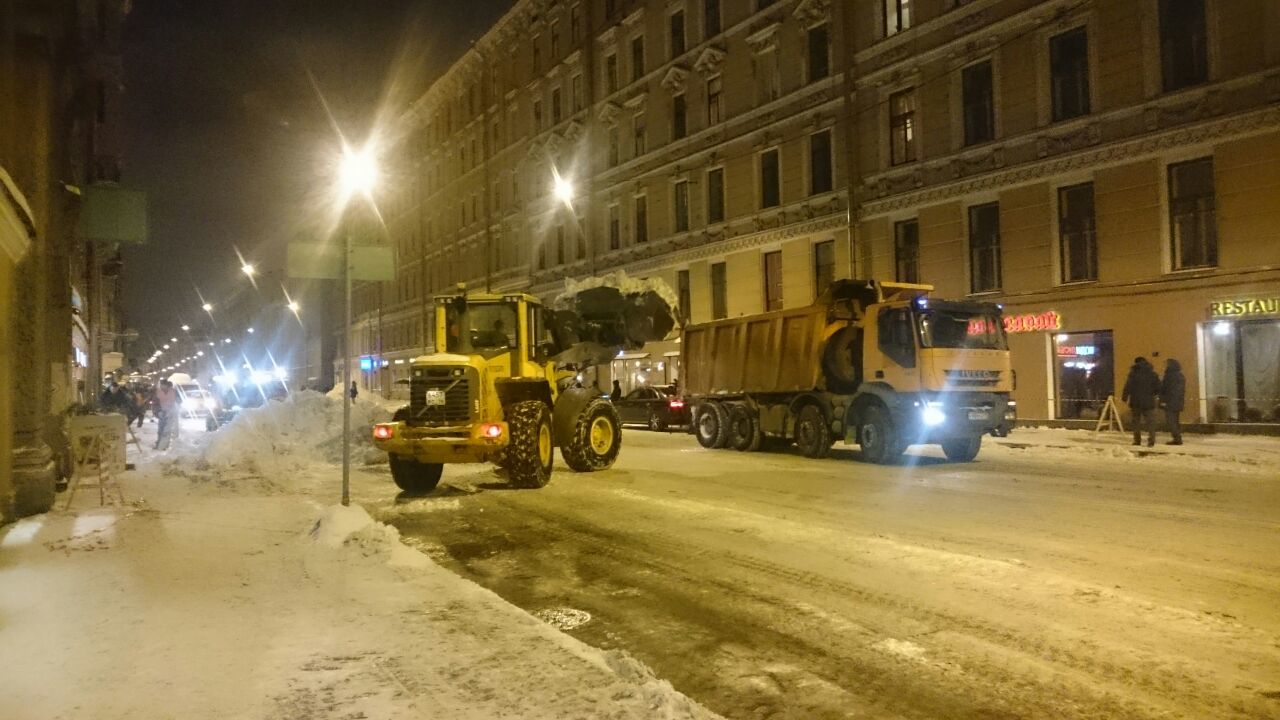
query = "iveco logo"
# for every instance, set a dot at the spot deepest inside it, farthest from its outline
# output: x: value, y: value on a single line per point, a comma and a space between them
x: 973, y: 374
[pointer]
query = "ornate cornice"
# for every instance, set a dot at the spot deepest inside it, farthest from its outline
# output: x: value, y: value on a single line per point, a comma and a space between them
x: 812, y: 12
x: 709, y: 60
x: 766, y: 38
x: 834, y: 221
x: 1220, y: 130
x: 675, y: 78
x: 608, y: 112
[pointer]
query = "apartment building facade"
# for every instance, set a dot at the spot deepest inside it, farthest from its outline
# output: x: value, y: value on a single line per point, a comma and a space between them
x: 1090, y: 164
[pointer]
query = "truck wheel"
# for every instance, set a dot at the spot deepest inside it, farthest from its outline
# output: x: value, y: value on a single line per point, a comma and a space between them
x: 813, y: 435
x: 712, y: 425
x: 878, y: 438
x: 842, y: 361
x: 530, y: 453
x: 596, y: 438
x: 413, y: 476
x: 962, y: 449
x: 744, y: 428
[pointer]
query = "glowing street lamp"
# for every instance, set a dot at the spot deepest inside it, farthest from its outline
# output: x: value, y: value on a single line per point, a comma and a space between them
x: 207, y: 307
x: 250, y: 331
x: 248, y: 269
x: 294, y: 306
x: 186, y: 328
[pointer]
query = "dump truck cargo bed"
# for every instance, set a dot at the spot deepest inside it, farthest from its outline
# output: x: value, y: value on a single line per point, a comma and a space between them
x: 776, y: 352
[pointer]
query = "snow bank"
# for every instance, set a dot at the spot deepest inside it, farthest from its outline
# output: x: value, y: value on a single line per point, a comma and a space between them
x: 286, y: 433
x: 340, y: 525
x: 624, y: 283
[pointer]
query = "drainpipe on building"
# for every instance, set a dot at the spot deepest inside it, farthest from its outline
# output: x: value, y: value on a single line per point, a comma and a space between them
x: 853, y: 173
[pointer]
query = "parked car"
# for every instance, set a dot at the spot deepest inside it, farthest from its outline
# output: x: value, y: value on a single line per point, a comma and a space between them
x: 657, y: 406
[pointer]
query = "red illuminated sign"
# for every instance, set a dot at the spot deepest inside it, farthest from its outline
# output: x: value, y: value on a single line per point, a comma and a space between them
x: 1039, y: 322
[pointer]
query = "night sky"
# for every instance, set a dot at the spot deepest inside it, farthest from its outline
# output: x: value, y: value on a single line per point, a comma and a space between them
x: 225, y: 132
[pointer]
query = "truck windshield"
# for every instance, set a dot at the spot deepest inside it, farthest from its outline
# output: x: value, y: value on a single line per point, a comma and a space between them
x: 941, y: 328
x: 480, y: 328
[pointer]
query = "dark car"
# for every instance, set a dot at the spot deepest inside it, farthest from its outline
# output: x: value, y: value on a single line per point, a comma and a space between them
x: 656, y: 406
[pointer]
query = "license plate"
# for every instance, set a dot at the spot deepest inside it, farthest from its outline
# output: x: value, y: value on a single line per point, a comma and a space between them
x: 434, y: 397
x: 978, y: 415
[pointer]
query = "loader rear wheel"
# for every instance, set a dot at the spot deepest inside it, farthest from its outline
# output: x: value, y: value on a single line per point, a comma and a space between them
x: 744, y: 428
x: 962, y: 449
x: 531, y: 452
x: 813, y: 435
x: 712, y: 425
x: 413, y: 476
x: 878, y: 437
x: 596, y: 438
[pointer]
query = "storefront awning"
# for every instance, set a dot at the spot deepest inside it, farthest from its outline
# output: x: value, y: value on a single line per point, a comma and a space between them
x: 632, y: 356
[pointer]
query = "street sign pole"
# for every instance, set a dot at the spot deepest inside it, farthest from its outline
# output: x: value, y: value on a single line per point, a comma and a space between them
x: 346, y: 369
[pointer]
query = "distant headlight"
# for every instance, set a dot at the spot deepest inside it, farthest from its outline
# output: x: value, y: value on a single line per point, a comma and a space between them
x: 210, y: 404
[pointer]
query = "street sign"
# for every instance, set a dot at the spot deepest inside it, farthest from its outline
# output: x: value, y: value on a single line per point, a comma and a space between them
x: 323, y: 261
x: 113, y: 214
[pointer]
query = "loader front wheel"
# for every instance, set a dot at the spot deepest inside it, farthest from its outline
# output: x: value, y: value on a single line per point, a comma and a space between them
x: 412, y: 476
x: 531, y: 452
x: 596, y: 438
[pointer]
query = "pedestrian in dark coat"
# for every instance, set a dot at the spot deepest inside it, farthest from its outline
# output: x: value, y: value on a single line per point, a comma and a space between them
x: 1140, y: 391
x: 616, y: 394
x: 1173, y: 390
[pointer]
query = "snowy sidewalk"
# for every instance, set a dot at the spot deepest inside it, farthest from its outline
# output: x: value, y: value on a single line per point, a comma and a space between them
x: 216, y: 592
x: 1260, y: 453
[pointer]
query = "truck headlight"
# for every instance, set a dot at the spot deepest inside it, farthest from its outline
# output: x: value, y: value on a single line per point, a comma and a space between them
x: 933, y: 415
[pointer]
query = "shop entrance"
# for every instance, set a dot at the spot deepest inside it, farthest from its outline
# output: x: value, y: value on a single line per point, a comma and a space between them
x: 1242, y: 370
x: 1084, y: 373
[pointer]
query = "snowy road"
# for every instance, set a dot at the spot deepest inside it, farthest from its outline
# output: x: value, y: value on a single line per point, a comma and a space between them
x: 1029, y: 584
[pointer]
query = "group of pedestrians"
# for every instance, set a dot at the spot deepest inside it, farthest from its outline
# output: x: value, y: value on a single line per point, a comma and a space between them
x: 132, y: 402
x: 1145, y: 390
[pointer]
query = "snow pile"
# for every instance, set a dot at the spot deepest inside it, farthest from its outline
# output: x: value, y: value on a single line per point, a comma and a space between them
x: 341, y: 525
x: 297, y: 430
x: 625, y: 284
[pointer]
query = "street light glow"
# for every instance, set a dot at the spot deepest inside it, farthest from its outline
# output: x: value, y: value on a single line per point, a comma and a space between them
x: 166, y: 346
x: 293, y: 305
x: 358, y: 172
x: 563, y: 189
x: 248, y: 269
x: 174, y: 339
x: 207, y: 307
x: 186, y: 328
x: 250, y: 331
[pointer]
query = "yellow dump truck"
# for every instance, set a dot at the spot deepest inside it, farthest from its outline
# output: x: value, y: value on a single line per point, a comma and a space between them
x: 880, y: 364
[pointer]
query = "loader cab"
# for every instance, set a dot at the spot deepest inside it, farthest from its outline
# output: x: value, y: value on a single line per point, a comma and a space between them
x: 495, y: 328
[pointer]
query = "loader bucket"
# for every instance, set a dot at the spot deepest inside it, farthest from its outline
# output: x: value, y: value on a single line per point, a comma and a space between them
x: 596, y: 319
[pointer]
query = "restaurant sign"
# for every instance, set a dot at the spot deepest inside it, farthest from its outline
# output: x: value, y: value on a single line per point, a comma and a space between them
x: 1245, y: 308
x: 1038, y: 322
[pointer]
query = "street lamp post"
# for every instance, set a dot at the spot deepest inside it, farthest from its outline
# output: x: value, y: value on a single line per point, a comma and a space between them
x: 357, y: 175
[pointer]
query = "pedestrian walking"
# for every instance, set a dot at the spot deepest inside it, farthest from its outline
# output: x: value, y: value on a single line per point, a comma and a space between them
x: 167, y: 411
x: 354, y: 392
x: 1173, y: 390
x: 1140, y: 391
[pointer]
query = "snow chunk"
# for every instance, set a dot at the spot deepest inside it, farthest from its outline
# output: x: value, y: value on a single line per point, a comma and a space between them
x: 340, y: 525
x: 902, y: 648
x: 624, y: 283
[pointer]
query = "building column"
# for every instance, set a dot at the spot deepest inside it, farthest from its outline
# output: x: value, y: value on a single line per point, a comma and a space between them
x: 34, y: 472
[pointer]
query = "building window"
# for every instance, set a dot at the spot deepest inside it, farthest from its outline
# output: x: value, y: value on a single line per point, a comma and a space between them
x: 1069, y: 74
x: 681, y: 203
x: 710, y: 18
x: 555, y: 41
x: 679, y: 125
x: 1077, y: 239
x: 715, y: 196
x: 638, y: 134
x: 896, y: 16
x: 1084, y: 373
x: 902, y: 127
x: 773, y: 281
x: 682, y: 290
x: 537, y: 54
x: 575, y: 92
x: 820, y: 176
x: 906, y: 251
x: 819, y: 53
x: 719, y: 294
x: 824, y: 266
x: 637, y: 57
x: 615, y: 227
x: 715, y: 101
x: 610, y: 8
x: 1184, y: 44
x: 984, y: 248
x: 979, y: 108
x: 677, y: 34
x: 613, y: 146
x: 770, y: 182
x: 582, y: 238
x: 575, y: 23
x: 556, y: 115
x: 537, y: 114
x: 1192, y: 215
x: 764, y: 66
x: 642, y: 218
x: 611, y: 73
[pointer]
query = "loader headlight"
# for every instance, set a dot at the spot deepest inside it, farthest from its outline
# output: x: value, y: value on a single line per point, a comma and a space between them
x: 383, y: 431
